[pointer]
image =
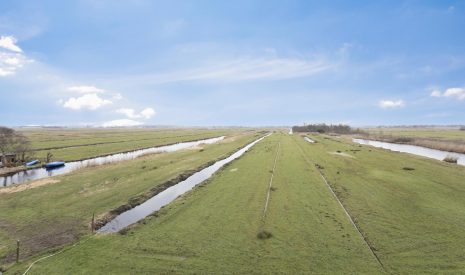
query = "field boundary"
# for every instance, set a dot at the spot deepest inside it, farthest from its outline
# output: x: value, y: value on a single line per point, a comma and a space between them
x: 109, y: 142
x: 265, y: 208
x: 342, y: 206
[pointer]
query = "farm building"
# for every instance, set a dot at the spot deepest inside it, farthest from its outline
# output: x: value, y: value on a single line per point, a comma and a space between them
x: 8, y: 159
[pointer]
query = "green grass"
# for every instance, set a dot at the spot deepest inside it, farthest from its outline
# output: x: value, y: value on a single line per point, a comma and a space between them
x: 412, y: 218
x: 213, y: 229
x: 59, y: 213
x: 435, y: 133
x: 76, y: 144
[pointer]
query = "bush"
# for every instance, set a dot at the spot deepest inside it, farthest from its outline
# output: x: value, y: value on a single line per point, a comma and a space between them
x: 451, y: 159
x: 402, y: 140
x: 408, y: 168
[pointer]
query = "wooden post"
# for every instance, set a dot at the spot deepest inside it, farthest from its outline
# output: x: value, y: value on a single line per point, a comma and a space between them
x: 17, y: 251
x: 93, y: 223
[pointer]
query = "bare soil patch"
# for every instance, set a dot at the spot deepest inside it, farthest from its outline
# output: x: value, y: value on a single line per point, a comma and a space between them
x: 27, y: 186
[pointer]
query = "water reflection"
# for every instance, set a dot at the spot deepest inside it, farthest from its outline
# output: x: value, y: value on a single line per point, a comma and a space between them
x: 413, y: 149
x: 163, y: 198
x: 309, y: 139
x: 40, y: 173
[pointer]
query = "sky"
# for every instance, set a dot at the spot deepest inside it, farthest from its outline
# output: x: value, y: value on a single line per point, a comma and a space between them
x: 224, y: 63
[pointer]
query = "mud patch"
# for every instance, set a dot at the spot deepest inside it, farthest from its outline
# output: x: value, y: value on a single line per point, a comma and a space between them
x: 27, y: 186
x: 41, y: 236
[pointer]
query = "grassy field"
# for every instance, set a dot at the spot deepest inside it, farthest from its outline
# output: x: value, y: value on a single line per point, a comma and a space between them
x: 445, y: 139
x: 76, y: 144
x: 214, y: 228
x: 434, y: 133
x: 408, y: 209
x: 60, y: 211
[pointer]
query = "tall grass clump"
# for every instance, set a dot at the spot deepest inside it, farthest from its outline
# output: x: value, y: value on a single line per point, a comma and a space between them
x: 451, y: 159
x: 263, y: 235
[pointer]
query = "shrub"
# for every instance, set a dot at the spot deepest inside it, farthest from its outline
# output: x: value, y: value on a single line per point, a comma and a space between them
x: 408, y: 168
x: 402, y: 140
x: 451, y: 159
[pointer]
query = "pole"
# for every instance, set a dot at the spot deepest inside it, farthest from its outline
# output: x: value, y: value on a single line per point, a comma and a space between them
x: 93, y: 223
x: 17, y: 251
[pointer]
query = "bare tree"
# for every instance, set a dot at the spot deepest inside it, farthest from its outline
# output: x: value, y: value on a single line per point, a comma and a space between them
x: 14, y: 142
x: 7, y: 140
x: 23, y: 148
x: 49, y: 157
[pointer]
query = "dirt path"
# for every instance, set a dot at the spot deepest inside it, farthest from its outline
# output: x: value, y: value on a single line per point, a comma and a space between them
x: 26, y: 186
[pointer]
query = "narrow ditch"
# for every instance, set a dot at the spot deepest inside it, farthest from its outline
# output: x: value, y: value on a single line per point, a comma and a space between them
x: 166, y: 193
x: 40, y: 173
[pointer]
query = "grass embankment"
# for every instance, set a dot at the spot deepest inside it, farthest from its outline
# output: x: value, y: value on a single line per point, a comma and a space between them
x: 452, y: 140
x: 60, y: 212
x: 436, y: 133
x: 410, y: 208
x: 213, y: 229
x: 77, y: 144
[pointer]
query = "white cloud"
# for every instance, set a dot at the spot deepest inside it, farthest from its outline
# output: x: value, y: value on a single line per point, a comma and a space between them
x: 128, y: 112
x: 436, y: 93
x: 87, y: 101
x: 147, y: 113
x: 86, y: 89
x: 11, y: 62
x: 131, y: 113
x: 122, y: 123
x: 9, y: 43
x: 244, y: 69
x: 458, y: 93
x: 117, y: 96
x: 386, y: 104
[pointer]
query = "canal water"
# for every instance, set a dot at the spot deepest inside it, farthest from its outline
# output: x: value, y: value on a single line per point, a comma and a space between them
x: 40, y: 173
x: 413, y: 149
x: 309, y: 139
x: 165, y: 197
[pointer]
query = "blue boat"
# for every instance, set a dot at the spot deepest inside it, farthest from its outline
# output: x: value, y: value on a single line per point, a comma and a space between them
x: 34, y: 162
x: 54, y: 164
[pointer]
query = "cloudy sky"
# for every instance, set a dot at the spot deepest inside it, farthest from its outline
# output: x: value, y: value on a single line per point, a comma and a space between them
x: 133, y: 62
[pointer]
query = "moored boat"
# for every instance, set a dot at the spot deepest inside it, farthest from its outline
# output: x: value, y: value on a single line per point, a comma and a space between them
x: 54, y: 164
x: 33, y: 162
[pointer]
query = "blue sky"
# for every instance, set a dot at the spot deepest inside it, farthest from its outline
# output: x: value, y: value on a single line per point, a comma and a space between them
x: 253, y: 63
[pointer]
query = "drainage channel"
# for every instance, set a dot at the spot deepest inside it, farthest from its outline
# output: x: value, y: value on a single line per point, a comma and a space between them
x: 40, y: 173
x: 165, y: 197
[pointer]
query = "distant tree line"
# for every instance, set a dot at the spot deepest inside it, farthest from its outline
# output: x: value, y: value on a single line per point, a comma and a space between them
x: 462, y: 128
x: 324, y: 128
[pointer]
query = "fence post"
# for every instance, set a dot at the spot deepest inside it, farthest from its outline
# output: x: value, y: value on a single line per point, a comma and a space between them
x: 93, y: 223
x: 17, y: 251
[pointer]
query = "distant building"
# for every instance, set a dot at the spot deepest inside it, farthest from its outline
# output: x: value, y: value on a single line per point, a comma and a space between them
x: 8, y: 159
